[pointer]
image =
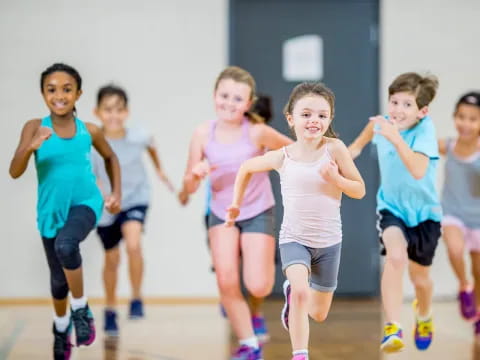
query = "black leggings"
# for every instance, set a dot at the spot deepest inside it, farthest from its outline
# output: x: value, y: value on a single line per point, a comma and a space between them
x: 63, y: 251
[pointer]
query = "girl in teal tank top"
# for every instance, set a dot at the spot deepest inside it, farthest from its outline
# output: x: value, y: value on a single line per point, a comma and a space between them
x: 69, y: 201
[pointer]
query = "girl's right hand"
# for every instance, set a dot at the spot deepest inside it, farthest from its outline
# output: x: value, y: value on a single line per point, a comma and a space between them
x: 183, y: 197
x: 112, y: 204
x: 202, y: 169
x: 42, y: 134
x: 232, y: 213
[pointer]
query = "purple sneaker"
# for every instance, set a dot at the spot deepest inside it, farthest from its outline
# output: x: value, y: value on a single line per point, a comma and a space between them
x: 476, y: 327
x: 468, y: 309
x: 286, y: 307
x: 245, y: 352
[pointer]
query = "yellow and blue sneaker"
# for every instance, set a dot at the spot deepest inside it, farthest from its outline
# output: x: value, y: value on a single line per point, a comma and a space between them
x: 423, y: 332
x: 392, y: 338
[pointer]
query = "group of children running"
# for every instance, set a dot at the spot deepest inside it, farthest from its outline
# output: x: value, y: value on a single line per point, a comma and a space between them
x: 108, y: 188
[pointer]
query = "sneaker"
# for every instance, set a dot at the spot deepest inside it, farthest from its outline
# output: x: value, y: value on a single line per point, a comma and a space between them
x: 300, y: 357
x: 476, y: 327
x: 392, y: 338
x: 423, y: 332
x: 62, y: 347
x: 84, y: 326
x: 136, y: 309
x: 245, y: 352
x: 286, y: 307
x: 260, y: 329
x: 466, y: 298
x: 110, y: 326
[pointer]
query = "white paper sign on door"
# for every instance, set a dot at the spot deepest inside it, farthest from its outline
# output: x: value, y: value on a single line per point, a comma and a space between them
x: 303, y: 58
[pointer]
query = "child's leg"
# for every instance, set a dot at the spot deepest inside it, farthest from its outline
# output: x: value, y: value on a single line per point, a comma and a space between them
x: 420, y: 277
x: 225, y: 247
x: 475, y: 256
x: 453, y: 236
x: 320, y: 303
x: 110, y: 275
x: 298, y: 325
x: 132, y: 234
x: 258, y: 256
x: 256, y: 305
x: 392, y: 277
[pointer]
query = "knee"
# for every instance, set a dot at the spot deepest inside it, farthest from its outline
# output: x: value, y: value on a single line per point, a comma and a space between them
x: 455, y: 252
x: 397, y: 259
x: 260, y: 289
x: 68, y: 253
x: 134, y: 250
x: 228, y: 283
x: 112, y: 261
x: 299, y: 296
x: 421, y: 281
x: 319, y: 314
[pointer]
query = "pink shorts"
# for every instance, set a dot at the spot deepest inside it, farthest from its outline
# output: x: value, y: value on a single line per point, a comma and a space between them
x: 471, y: 236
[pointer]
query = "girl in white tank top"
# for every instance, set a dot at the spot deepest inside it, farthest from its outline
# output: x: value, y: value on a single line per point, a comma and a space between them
x: 314, y: 172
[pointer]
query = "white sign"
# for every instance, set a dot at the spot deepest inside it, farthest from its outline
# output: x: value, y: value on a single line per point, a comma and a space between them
x: 303, y: 58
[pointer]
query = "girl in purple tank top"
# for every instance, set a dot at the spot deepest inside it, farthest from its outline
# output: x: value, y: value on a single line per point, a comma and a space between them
x: 217, y: 149
x: 314, y: 172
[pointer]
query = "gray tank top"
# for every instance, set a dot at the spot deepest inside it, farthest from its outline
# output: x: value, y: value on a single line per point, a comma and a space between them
x: 461, y: 190
x: 135, y: 185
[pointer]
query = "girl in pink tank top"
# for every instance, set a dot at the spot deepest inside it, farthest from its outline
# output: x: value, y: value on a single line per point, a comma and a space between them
x: 217, y: 149
x: 314, y: 172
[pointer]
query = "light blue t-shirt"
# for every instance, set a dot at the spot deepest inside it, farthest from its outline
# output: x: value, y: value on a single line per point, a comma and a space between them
x: 208, y: 196
x: 413, y: 201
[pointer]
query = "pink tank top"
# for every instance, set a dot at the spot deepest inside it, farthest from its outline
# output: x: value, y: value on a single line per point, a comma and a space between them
x: 311, y: 205
x: 258, y: 196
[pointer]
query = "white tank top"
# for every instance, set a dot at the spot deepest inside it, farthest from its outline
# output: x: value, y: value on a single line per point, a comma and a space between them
x: 311, y: 204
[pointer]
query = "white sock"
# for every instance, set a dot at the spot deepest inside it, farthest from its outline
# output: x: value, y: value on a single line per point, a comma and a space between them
x: 300, y: 352
x: 250, y: 342
x: 424, y: 318
x: 61, y: 322
x: 78, y: 303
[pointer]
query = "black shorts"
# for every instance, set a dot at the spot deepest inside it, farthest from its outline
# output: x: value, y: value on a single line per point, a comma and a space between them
x: 422, y: 239
x: 111, y: 235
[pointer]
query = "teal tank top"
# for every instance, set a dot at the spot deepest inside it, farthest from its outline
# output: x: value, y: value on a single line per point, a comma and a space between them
x: 65, y: 178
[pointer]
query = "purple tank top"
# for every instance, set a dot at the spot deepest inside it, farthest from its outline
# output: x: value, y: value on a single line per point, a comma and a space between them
x: 227, y: 158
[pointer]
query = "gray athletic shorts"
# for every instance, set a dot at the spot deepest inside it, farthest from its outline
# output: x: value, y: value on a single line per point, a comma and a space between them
x: 263, y: 223
x: 322, y: 263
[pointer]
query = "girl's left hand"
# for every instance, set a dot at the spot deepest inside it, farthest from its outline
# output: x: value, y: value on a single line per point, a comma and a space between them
x: 232, y: 213
x: 388, y: 128
x: 112, y: 204
x: 330, y: 172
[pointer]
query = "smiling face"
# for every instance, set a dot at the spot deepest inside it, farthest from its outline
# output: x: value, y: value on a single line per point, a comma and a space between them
x: 112, y: 112
x: 232, y: 100
x: 60, y: 92
x: 404, y: 111
x: 311, y: 117
x: 467, y: 121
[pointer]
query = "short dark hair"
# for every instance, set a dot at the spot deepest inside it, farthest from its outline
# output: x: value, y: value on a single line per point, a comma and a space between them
x: 111, y: 90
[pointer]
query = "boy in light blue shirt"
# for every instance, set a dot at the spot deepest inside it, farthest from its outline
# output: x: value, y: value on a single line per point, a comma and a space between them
x: 407, y: 202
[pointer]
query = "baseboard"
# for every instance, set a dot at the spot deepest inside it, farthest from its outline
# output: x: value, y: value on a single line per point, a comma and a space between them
x: 38, y: 301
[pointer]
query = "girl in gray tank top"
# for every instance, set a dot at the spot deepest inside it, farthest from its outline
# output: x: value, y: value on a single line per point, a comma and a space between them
x: 461, y: 201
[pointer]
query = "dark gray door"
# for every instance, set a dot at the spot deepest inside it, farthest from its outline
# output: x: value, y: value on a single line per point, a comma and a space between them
x: 348, y: 29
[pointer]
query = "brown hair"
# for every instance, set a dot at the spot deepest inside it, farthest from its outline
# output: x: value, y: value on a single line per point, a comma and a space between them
x: 423, y: 88
x: 316, y: 89
x: 240, y: 75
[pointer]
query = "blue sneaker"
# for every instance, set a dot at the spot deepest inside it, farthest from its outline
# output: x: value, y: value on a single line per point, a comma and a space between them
x: 110, y: 326
x: 392, y: 339
x: 260, y: 329
x: 423, y: 331
x: 84, y: 326
x: 62, y: 347
x: 136, y: 309
x: 245, y: 352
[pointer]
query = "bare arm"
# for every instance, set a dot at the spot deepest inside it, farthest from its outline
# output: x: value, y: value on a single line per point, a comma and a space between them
x: 30, y: 140
x: 267, y: 137
x: 153, y: 153
x: 344, y: 173
x: 112, y: 166
x: 415, y: 162
x: 269, y: 161
x: 362, y: 140
x: 442, y: 146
